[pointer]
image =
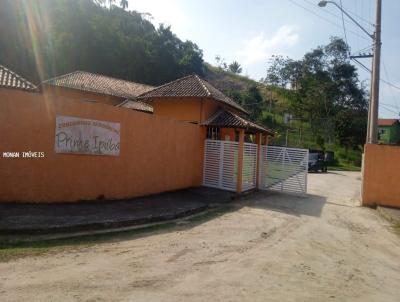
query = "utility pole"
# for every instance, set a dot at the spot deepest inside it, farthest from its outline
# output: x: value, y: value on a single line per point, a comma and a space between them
x: 374, y: 106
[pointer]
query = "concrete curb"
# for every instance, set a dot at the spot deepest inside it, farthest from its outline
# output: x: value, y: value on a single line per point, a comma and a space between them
x: 390, y: 214
x: 104, y: 225
x: 12, y: 239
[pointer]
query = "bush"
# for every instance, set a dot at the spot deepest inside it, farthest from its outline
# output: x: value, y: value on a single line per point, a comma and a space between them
x: 347, y: 157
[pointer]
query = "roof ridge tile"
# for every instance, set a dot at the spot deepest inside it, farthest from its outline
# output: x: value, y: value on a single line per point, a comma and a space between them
x: 98, y: 83
x: 191, y: 86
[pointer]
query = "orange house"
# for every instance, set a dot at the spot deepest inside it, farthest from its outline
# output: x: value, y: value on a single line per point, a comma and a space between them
x: 172, y: 148
x: 194, y: 100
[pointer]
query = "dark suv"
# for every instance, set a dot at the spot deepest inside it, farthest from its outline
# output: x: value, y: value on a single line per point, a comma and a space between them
x: 316, y: 161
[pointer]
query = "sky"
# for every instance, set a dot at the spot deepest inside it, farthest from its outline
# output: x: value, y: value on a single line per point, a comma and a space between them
x: 251, y: 31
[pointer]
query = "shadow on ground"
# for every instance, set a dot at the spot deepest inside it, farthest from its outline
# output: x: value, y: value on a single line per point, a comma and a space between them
x: 25, y: 218
x: 297, y: 205
x: 217, y: 203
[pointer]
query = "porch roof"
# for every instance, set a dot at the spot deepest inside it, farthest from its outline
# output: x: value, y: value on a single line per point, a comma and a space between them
x: 227, y: 119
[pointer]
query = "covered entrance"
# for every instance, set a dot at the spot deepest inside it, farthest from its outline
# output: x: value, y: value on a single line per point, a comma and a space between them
x: 231, y: 152
x: 238, y: 158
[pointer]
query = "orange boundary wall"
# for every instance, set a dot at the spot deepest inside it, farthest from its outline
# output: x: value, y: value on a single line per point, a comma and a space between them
x: 157, y: 154
x: 381, y: 175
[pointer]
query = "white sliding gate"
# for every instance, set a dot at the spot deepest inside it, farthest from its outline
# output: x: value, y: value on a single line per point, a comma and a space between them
x: 249, y: 170
x: 220, y: 164
x: 280, y: 168
x: 283, y: 169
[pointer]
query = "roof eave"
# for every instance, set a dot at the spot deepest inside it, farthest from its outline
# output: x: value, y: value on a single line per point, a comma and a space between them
x: 149, y: 99
x: 33, y: 90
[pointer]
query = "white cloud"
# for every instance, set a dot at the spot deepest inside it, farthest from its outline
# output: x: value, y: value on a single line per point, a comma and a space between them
x: 259, y: 47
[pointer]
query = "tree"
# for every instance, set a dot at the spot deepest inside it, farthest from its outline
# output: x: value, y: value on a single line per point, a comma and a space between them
x: 235, y: 67
x: 124, y: 4
x: 221, y: 62
x: 251, y: 99
x: 86, y: 35
x: 275, y: 75
x: 326, y: 88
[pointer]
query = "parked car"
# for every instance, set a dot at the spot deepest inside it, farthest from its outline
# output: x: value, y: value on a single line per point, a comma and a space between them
x: 316, y: 161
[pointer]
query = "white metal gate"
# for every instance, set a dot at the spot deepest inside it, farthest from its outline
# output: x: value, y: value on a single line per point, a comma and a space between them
x: 283, y: 169
x: 249, y: 170
x: 220, y: 164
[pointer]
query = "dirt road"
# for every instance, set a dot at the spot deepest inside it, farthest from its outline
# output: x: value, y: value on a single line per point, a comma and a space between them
x: 270, y: 247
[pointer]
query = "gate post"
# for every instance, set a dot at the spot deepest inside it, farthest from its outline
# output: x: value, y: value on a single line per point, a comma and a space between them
x: 240, y: 161
x: 259, y: 158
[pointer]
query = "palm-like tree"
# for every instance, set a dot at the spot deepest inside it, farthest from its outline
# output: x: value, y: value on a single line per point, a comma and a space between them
x: 235, y: 67
x: 124, y: 4
x: 110, y: 2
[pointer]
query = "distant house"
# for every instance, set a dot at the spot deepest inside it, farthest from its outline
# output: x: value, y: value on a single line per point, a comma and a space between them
x: 389, y: 131
x: 96, y: 88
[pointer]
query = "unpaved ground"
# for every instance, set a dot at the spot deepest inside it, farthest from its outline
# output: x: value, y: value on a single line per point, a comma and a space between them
x: 322, y: 247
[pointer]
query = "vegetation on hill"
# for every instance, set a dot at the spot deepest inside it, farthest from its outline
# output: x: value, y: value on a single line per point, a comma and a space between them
x: 42, y: 39
x: 315, y: 102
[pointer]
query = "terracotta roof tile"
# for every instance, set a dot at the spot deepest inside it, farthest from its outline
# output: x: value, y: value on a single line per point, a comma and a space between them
x: 97, y: 83
x: 190, y: 86
x: 386, y: 121
x: 10, y: 79
x: 136, y: 105
x: 229, y: 119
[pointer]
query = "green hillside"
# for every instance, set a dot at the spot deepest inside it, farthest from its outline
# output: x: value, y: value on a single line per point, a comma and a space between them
x: 275, y: 102
x: 271, y: 108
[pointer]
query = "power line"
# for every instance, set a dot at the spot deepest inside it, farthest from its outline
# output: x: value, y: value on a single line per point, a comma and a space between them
x: 391, y: 88
x: 364, y: 49
x: 390, y: 105
x: 344, y: 28
x: 382, y: 80
x: 388, y: 109
x: 385, y: 106
x: 336, y: 16
x: 362, y: 65
x: 361, y: 18
x: 325, y: 19
x: 325, y: 11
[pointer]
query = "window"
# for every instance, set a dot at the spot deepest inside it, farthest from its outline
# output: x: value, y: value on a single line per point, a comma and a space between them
x: 237, y: 134
x: 250, y: 138
x: 213, y: 133
x: 382, y: 131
